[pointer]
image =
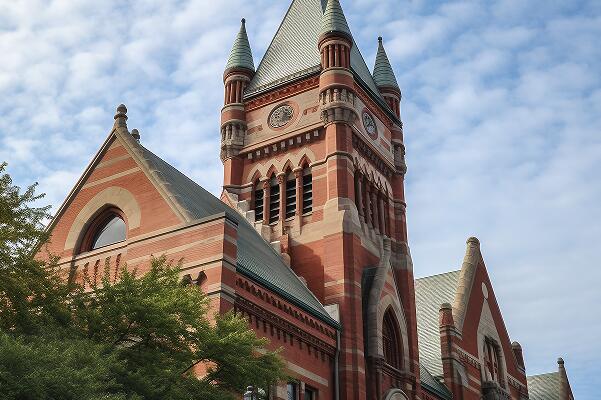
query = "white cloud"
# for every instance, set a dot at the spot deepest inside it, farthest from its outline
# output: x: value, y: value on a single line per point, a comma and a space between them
x: 502, y: 109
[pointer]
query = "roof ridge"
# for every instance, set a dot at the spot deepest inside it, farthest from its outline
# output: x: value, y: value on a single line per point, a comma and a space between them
x: 439, y: 274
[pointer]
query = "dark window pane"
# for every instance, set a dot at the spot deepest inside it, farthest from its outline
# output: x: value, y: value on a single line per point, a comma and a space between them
x: 310, y: 394
x: 112, y: 231
x: 291, y: 391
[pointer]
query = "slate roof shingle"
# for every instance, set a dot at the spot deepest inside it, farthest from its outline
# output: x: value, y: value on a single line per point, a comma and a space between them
x: 256, y: 258
x: 430, y: 293
x: 544, y: 386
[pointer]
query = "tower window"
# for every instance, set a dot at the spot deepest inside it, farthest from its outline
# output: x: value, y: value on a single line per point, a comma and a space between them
x: 307, y: 191
x: 274, y: 200
x: 258, y: 202
x: 290, y: 196
x: 390, y: 340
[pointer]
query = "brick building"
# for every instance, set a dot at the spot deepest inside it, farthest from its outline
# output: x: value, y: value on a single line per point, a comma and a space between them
x: 309, y: 237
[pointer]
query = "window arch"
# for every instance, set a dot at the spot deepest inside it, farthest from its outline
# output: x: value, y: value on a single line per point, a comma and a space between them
x: 107, y: 228
x: 391, y: 340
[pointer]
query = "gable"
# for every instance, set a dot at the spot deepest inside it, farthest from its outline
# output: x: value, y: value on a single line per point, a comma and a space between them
x: 483, y: 318
x: 115, y: 177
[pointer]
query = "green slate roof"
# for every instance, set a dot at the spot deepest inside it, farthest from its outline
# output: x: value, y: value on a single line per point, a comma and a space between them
x: 256, y: 258
x: 430, y: 293
x: 383, y: 73
x: 432, y: 384
x: 544, y: 386
x: 293, y: 52
x: 241, y: 54
x: 333, y: 19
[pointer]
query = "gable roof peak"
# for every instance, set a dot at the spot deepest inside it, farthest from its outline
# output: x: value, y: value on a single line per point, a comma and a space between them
x: 333, y: 20
x: 383, y: 72
x: 241, y: 53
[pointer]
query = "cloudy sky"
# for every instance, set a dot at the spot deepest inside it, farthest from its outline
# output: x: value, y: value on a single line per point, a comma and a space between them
x: 501, y: 106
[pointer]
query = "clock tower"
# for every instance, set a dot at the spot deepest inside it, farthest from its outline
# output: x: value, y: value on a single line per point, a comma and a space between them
x: 313, y: 154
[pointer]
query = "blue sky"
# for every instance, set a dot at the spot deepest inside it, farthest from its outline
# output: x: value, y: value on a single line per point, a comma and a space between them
x: 501, y: 108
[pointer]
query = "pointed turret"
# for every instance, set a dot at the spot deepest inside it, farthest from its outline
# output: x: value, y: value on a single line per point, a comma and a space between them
x: 241, y: 56
x: 333, y: 20
x: 386, y: 81
x: 239, y: 70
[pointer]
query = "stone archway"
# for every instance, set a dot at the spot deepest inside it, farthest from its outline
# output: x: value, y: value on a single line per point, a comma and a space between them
x: 395, y: 394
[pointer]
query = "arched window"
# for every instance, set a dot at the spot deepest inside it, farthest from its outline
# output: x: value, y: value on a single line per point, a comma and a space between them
x: 274, y: 200
x: 307, y: 191
x: 108, y: 228
x: 290, y: 195
x: 391, y: 340
x: 258, y: 196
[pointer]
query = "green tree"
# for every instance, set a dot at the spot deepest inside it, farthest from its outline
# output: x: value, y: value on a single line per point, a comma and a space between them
x: 145, y: 336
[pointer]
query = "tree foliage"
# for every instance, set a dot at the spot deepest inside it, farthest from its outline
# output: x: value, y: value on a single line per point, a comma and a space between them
x: 144, y: 336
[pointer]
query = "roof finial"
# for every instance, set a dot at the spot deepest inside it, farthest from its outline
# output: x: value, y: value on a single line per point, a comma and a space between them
x: 121, y: 116
x: 380, y: 39
x: 135, y: 134
x: 243, y: 21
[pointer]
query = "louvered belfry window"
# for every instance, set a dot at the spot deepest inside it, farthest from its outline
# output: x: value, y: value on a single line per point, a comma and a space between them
x: 258, y: 202
x: 307, y: 191
x: 290, y: 195
x: 274, y: 200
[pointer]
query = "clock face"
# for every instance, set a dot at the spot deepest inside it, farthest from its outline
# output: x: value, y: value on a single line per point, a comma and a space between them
x: 370, y: 125
x: 281, y: 115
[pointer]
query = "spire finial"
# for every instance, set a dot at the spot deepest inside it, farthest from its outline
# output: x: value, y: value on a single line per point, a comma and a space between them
x: 243, y: 22
x: 121, y: 116
x: 380, y: 39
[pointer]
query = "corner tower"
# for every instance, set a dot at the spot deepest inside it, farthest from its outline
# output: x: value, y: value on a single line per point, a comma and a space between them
x: 317, y: 167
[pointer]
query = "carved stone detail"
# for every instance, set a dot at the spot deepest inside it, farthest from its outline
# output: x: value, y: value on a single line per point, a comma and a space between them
x: 338, y: 105
x: 232, y: 139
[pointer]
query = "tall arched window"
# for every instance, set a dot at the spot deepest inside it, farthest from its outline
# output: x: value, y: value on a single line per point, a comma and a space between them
x: 274, y: 200
x: 258, y: 196
x: 307, y: 191
x: 290, y: 195
x: 391, y: 340
x: 108, y: 228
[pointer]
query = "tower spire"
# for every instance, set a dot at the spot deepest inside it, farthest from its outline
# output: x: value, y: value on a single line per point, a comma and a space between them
x: 383, y: 73
x: 386, y: 81
x: 241, y: 55
x: 333, y: 20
